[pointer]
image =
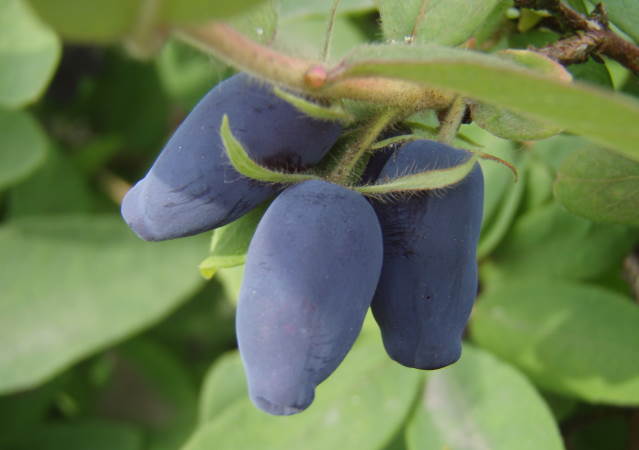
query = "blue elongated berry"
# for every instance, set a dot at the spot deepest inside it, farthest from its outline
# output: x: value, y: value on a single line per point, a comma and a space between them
x: 192, y: 186
x: 429, y: 277
x: 310, y: 275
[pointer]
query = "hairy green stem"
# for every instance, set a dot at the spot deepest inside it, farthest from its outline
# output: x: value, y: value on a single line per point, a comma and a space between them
x: 367, y: 135
x: 308, y: 76
x: 329, y: 30
x: 452, y: 121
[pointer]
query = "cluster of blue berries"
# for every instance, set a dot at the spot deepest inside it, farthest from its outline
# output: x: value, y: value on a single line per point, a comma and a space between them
x: 322, y: 253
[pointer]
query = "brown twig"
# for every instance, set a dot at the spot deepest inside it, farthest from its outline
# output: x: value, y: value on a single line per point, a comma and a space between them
x: 593, y: 36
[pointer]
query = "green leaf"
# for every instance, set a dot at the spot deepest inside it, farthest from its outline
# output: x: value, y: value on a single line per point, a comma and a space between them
x: 181, y: 11
x: 230, y: 242
x: 224, y: 385
x: 21, y: 412
x: 82, y: 435
x: 334, y: 112
x: 498, y: 180
x: 58, y: 187
x: 422, y: 181
x: 574, y: 339
x: 592, y: 72
x: 305, y: 35
x: 605, y: 117
x: 539, y: 179
x: 466, y: 406
x: 231, y: 280
x: 624, y: 14
x: 100, y: 21
x: 550, y: 241
x: 578, y: 5
x: 29, y: 54
x: 128, y: 101
x: 259, y: 22
x: 362, y: 405
x: 243, y: 163
x: 600, y: 186
x: 105, y: 21
x: 294, y: 8
x: 72, y: 285
x: 509, y: 125
x: 446, y: 22
x: 495, y: 231
x: 23, y: 147
x: 187, y: 74
x: 163, y: 398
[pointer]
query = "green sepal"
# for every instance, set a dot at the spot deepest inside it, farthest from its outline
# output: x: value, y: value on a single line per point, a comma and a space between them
x: 230, y: 243
x: 333, y: 112
x: 395, y: 140
x: 243, y: 163
x: 422, y: 181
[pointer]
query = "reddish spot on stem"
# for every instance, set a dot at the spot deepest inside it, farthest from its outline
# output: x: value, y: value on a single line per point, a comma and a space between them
x: 315, y: 77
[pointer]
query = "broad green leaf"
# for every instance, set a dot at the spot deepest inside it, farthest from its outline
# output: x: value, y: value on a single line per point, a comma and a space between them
x: 509, y: 125
x: 128, y: 101
x: 553, y: 151
x: 494, y: 231
x: 58, y: 187
x: 624, y: 14
x: 571, y: 338
x: 605, y: 117
x: 498, y: 180
x: 183, y: 11
x: 205, y: 322
x: 230, y: 242
x: 422, y: 181
x: 224, y: 385
x: 163, y: 398
x: 467, y: 405
x: 82, y: 435
x: 550, y: 241
x: 105, y: 21
x: 592, y: 72
x: 538, y: 37
x: 22, y: 411
x: 578, y: 5
x: 495, y: 21
x: 295, y: 8
x: 446, y: 22
x: 539, y: 179
x: 600, y: 186
x: 362, y: 405
x: 186, y: 73
x: 23, y: 146
x: 231, y: 280
x: 305, y: 35
x: 258, y: 22
x: 100, y: 21
x: 29, y: 54
x: 72, y: 285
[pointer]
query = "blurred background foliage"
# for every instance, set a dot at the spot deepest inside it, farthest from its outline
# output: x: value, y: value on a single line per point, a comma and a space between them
x: 113, y: 343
